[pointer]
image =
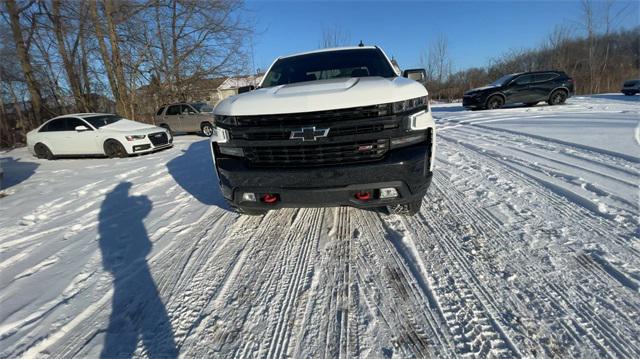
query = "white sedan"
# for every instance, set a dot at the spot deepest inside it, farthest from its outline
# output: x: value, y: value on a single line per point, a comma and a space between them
x: 87, y: 134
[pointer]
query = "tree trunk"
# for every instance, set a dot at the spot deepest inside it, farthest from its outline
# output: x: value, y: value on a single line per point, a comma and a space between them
x: 118, y: 67
x: 174, y: 48
x: 25, y: 60
x: 104, y: 53
x: 84, y: 64
x: 20, y: 121
x: 67, y: 61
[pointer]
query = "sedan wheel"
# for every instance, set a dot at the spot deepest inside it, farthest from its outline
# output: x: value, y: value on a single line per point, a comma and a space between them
x: 114, y: 149
x: 42, y: 151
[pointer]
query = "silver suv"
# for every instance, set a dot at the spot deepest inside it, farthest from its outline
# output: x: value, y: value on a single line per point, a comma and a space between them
x: 185, y: 117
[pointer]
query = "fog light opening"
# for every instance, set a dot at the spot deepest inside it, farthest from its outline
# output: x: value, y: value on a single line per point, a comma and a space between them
x: 363, y: 196
x: 388, y: 193
x: 269, y: 198
x: 249, y: 197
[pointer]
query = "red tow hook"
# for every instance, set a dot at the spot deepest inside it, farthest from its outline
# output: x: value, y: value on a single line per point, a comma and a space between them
x: 363, y: 196
x: 269, y: 198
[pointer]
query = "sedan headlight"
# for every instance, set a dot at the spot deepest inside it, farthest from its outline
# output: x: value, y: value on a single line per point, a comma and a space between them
x: 134, y: 137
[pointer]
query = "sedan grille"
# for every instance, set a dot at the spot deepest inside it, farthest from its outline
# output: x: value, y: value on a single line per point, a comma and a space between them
x: 158, y: 138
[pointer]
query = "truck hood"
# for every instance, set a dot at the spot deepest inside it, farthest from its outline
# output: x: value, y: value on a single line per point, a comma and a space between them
x: 321, y: 95
x: 125, y: 125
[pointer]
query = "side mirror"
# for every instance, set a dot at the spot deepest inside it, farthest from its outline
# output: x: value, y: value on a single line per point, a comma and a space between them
x: 419, y: 75
x: 81, y: 128
x: 244, y: 89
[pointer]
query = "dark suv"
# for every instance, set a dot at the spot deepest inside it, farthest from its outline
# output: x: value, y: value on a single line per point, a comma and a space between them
x: 528, y: 88
x: 631, y: 87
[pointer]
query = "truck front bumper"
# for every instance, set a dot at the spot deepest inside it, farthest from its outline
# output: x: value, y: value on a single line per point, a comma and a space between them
x: 407, y: 170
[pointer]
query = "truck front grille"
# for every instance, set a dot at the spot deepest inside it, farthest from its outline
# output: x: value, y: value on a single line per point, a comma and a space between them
x: 338, y: 153
x: 337, y: 129
x: 318, y: 117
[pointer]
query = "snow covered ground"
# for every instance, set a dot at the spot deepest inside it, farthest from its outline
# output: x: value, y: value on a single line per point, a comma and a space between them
x: 527, y: 245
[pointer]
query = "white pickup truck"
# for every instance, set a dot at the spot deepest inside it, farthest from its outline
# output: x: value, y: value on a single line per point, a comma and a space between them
x: 327, y: 128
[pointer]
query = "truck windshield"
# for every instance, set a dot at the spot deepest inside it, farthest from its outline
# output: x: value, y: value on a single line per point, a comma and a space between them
x: 329, y: 65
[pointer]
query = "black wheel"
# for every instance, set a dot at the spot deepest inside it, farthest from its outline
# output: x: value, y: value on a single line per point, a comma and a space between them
x: 557, y: 97
x: 628, y: 93
x: 207, y: 129
x: 166, y: 127
x: 495, y: 102
x: 114, y: 149
x: 42, y: 151
x: 406, y: 209
x: 530, y: 104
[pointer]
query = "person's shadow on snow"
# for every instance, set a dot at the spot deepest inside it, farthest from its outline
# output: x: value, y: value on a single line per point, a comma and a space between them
x: 137, y: 310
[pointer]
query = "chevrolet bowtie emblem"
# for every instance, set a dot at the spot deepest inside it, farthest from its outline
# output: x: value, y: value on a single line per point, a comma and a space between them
x: 309, y: 133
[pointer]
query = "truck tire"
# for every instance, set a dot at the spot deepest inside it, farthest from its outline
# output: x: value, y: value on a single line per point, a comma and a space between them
x: 250, y: 212
x: 406, y: 209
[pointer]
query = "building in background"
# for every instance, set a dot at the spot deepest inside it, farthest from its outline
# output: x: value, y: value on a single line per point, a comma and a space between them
x: 204, y: 91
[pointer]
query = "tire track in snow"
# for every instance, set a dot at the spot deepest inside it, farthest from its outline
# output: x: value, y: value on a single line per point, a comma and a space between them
x: 565, y: 209
x: 416, y: 324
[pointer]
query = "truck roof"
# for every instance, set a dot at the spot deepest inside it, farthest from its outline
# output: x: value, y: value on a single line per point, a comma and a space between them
x: 329, y: 50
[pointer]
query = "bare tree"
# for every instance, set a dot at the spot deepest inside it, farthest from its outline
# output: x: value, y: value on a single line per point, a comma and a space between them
x: 589, y: 24
x: 68, y: 54
x: 334, y: 36
x: 23, y: 55
x: 437, y: 63
x: 191, y: 41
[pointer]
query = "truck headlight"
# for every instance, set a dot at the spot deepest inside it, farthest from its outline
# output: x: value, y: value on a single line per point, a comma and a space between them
x: 134, y: 137
x: 225, y: 120
x: 413, y: 104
